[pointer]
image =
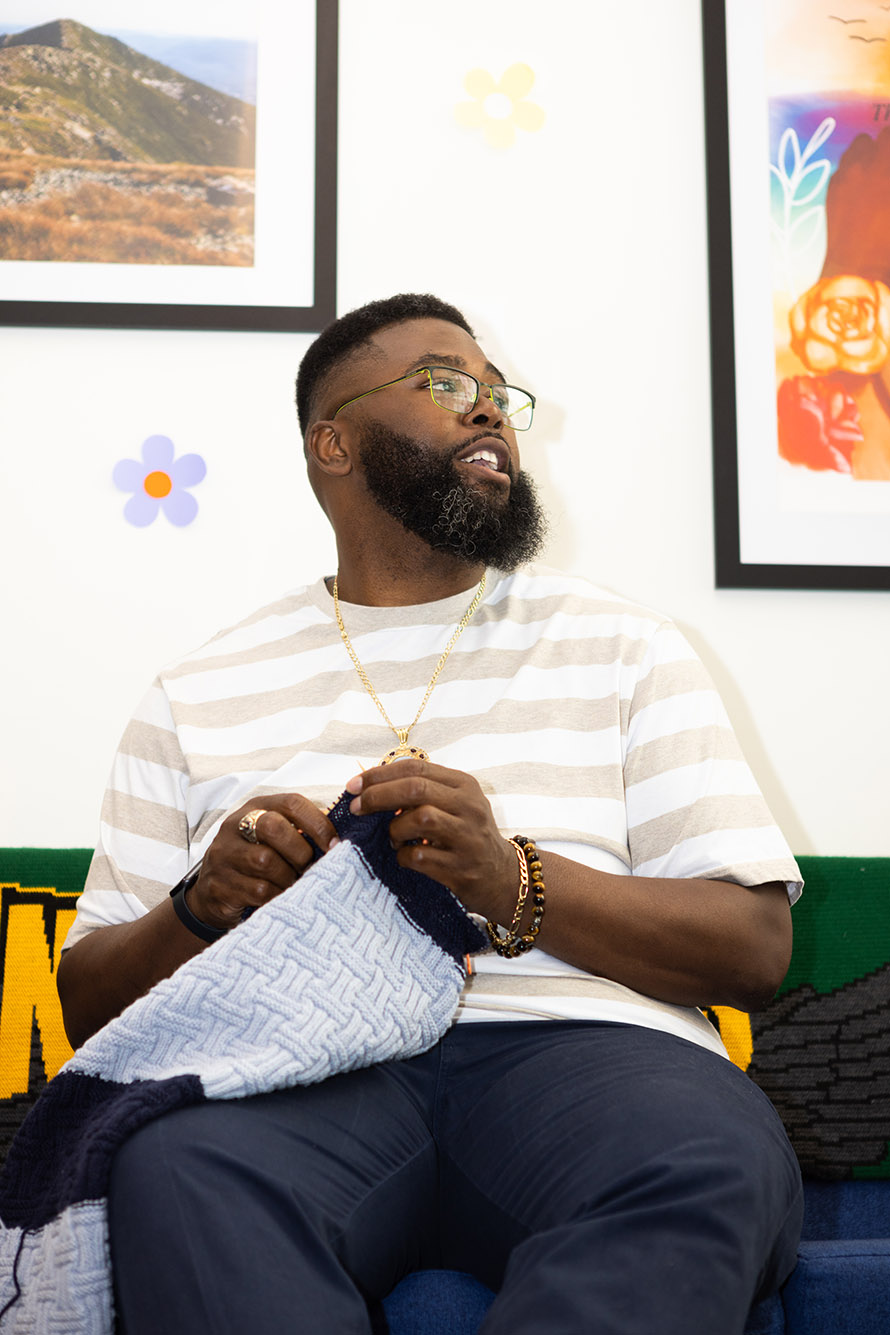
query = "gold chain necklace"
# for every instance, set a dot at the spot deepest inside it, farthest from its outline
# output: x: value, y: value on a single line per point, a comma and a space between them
x: 403, y: 749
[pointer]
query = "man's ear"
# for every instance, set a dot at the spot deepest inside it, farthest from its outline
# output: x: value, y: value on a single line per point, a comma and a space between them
x: 327, y: 449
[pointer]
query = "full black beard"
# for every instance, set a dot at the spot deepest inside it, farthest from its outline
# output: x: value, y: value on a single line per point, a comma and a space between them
x: 429, y: 496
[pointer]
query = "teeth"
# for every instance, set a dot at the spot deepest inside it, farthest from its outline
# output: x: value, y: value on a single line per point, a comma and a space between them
x: 483, y: 456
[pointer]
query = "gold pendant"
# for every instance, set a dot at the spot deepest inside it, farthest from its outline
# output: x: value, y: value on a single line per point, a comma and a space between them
x: 404, y: 752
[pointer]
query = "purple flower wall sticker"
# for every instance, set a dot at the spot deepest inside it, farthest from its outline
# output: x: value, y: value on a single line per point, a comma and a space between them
x: 159, y: 483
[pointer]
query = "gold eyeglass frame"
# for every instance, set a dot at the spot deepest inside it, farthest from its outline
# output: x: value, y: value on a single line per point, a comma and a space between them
x: 428, y: 371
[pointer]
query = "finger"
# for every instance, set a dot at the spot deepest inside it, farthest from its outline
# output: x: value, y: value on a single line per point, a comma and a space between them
x: 276, y: 836
x: 264, y: 861
x: 406, y: 791
x: 220, y: 899
x: 255, y: 892
x: 297, y: 810
x: 307, y: 818
x: 425, y: 823
x: 432, y: 861
x: 401, y: 769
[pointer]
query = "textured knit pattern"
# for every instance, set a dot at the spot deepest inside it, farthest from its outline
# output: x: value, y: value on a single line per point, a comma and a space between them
x: 821, y: 1050
x: 588, y: 721
x: 824, y: 1060
x: 330, y: 976
x: 62, y: 1273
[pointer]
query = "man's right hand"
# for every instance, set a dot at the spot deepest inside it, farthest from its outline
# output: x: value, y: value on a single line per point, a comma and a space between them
x: 112, y: 966
x: 237, y: 874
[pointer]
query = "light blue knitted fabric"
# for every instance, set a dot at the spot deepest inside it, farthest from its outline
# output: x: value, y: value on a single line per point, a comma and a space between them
x: 330, y: 976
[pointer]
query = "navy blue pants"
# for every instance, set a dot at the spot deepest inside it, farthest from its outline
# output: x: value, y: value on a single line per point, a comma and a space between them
x: 604, y: 1178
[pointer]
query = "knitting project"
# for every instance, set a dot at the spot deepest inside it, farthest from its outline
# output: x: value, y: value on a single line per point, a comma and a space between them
x: 359, y: 962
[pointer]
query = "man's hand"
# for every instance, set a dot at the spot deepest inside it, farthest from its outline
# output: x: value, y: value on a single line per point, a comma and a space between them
x: 444, y: 826
x: 111, y: 967
x: 236, y: 874
x: 691, y: 942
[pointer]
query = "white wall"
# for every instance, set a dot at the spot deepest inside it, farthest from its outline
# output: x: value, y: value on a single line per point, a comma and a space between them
x: 580, y: 256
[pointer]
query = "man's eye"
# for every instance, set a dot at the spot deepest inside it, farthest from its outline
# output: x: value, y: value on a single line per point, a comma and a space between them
x: 501, y: 397
x: 446, y: 383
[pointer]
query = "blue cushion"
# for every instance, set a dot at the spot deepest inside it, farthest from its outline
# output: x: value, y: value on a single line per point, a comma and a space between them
x: 839, y: 1288
x: 448, y: 1302
x: 437, y: 1302
x: 846, y: 1209
x: 841, y: 1285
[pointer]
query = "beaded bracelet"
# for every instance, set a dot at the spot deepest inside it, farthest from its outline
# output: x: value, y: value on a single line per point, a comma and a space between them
x: 531, y: 876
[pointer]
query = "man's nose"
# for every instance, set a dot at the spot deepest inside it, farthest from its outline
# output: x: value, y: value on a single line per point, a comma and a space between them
x: 484, y: 412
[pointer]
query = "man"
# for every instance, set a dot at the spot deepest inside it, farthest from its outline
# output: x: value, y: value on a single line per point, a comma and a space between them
x: 584, y: 1146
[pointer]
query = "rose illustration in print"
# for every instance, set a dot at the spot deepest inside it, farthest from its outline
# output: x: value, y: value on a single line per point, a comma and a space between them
x: 159, y: 482
x: 819, y: 423
x: 842, y: 324
x: 836, y: 417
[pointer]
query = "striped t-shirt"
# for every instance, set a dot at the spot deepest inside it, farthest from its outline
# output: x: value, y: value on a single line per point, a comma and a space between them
x: 588, y: 721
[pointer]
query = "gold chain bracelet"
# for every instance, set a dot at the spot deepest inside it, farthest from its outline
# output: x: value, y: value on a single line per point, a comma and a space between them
x: 531, y: 876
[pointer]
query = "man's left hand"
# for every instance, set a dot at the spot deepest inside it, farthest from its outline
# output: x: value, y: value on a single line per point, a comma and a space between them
x: 444, y: 826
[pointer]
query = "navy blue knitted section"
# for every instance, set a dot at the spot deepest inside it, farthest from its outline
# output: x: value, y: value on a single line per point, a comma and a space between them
x: 427, y: 903
x: 63, y: 1150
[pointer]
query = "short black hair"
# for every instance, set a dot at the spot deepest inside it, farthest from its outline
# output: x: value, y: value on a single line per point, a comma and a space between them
x: 343, y: 336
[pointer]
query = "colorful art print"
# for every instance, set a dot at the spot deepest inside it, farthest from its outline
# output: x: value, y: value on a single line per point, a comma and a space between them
x: 178, y: 172
x: 798, y: 147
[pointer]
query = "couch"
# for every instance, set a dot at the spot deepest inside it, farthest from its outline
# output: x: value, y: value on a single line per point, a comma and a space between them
x: 821, y: 1051
x: 841, y: 1285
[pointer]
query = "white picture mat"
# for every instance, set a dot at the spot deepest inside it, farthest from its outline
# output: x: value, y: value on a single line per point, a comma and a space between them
x: 788, y: 515
x: 284, y: 269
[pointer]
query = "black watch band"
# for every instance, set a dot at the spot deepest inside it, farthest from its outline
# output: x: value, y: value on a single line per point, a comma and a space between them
x: 184, y: 913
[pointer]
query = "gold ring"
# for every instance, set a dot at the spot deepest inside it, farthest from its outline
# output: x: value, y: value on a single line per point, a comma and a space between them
x: 247, y: 825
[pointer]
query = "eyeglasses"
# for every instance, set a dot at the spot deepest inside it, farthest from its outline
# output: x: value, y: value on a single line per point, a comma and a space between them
x: 458, y: 392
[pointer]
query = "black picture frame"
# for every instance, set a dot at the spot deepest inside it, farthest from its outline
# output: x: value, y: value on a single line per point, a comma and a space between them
x: 311, y: 316
x: 730, y: 569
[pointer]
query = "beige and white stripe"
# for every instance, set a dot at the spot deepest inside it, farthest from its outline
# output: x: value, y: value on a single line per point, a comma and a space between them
x: 588, y: 721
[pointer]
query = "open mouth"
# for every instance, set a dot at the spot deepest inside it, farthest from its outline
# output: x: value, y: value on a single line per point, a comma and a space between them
x: 488, y: 458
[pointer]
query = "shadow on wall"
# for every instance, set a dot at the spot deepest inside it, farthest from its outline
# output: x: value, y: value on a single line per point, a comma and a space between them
x: 756, y: 752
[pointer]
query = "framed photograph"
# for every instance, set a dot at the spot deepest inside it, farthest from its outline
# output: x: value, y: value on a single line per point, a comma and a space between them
x: 798, y: 154
x: 173, y: 166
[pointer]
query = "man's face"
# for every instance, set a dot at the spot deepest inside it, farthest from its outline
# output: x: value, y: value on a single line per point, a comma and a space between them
x: 452, y: 479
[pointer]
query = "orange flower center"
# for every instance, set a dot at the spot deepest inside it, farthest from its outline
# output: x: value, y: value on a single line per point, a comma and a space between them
x: 158, y: 484
x: 849, y: 318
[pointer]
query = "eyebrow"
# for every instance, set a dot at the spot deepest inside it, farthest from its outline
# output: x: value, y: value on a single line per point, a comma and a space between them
x: 452, y: 359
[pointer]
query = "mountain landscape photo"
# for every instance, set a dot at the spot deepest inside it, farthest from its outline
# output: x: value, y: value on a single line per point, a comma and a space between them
x: 111, y: 156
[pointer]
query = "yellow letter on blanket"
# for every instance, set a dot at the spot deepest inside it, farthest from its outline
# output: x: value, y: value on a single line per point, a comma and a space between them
x: 29, y: 986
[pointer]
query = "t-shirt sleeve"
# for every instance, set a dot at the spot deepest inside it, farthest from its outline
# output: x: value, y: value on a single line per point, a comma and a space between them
x: 693, y: 806
x: 143, y: 847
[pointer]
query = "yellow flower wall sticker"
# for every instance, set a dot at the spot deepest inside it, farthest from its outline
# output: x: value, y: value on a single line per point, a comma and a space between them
x: 499, y: 107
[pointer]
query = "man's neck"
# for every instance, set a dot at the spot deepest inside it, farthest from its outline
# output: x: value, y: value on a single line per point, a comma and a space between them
x: 377, y: 579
